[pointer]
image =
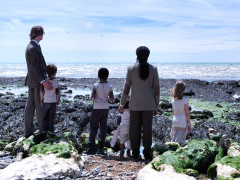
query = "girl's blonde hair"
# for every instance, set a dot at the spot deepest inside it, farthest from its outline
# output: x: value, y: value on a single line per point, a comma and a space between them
x: 178, y: 89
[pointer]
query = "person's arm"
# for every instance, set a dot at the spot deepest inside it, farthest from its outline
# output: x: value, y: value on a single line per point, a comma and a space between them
x: 41, y: 94
x: 156, y: 89
x: 111, y: 97
x: 187, y: 113
x: 94, y: 92
x: 126, y: 91
x: 58, y: 94
x: 34, y: 64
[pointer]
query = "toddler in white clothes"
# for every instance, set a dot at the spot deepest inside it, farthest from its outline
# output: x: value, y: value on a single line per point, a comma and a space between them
x: 181, y: 117
x: 124, y: 130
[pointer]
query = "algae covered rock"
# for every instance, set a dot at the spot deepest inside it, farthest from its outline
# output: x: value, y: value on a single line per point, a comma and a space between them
x: 62, y: 146
x: 166, y: 173
x: 195, y: 157
x: 84, y: 141
x: 116, y: 147
x: 234, y: 149
x: 158, y: 149
x: 58, y: 155
x: 227, y: 167
x: 172, y: 145
x: 42, y: 167
x: 2, y: 145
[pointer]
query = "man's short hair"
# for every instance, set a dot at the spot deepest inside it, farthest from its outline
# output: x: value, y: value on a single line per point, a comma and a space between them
x: 36, y: 31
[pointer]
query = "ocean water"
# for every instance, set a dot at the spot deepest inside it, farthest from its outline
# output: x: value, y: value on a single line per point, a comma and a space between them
x: 203, y: 71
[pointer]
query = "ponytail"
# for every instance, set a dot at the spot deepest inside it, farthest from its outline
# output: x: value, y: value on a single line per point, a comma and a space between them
x: 142, y: 55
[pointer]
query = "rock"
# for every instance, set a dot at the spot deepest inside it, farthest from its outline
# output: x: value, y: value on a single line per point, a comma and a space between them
x: 196, y: 155
x: 165, y: 105
x: 189, y: 93
x: 159, y: 148
x: 234, y: 149
x: 211, y: 130
x: 10, y: 147
x: 59, y: 157
x: 167, y: 173
x: 219, y: 105
x: 41, y: 167
x: 78, y: 97
x: 68, y: 91
x: 173, y: 146
x: 234, y: 116
x: 208, y: 113
x: 226, y: 168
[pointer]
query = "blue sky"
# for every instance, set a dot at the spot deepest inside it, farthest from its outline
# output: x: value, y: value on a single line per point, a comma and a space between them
x: 78, y: 31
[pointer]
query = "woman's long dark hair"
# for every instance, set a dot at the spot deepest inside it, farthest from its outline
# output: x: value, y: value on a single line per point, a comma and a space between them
x: 142, y: 56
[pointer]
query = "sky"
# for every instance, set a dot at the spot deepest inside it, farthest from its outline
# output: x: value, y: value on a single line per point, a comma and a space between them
x: 99, y: 31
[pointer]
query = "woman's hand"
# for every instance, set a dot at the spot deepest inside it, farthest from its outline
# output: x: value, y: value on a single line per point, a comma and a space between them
x: 120, y: 109
x: 155, y: 112
x: 189, y: 126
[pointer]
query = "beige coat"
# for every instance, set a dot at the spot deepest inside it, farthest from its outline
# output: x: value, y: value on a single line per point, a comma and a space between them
x: 144, y: 93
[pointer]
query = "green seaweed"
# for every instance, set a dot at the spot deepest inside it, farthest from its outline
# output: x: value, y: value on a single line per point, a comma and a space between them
x: 84, y: 141
x: 173, y: 146
x: 219, y: 110
x: 219, y: 155
x: 62, y: 150
x: 2, y: 145
x: 158, y: 149
x: 196, y: 155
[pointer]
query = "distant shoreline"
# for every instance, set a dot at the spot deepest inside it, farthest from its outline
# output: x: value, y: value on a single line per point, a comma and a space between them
x: 218, y: 91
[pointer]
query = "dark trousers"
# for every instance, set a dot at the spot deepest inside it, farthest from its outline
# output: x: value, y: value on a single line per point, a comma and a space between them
x: 98, y: 121
x: 33, y: 103
x: 141, y: 121
x: 49, y: 112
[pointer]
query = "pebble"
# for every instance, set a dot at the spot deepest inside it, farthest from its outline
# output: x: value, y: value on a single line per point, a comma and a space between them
x: 3, y: 165
x: 85, y: 173
x: 96, y: 171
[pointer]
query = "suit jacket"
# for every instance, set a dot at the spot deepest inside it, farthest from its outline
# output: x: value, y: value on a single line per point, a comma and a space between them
x: 36, y: 65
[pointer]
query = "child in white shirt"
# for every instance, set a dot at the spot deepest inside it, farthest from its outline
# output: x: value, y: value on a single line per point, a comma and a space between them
x: 181, y: 117
x: 101, y: 93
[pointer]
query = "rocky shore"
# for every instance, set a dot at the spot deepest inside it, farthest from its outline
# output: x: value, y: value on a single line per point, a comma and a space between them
x: 215, y: 114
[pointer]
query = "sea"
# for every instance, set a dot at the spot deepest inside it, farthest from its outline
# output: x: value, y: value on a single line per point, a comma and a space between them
x: 202, y: 71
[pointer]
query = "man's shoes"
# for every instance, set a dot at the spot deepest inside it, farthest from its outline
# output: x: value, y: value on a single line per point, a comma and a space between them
x: 89, y: 151
x: 137, y: 157
x: 101, y: 152
x: 51, y: 135
x: 27, y: 136
x: 147, y: 161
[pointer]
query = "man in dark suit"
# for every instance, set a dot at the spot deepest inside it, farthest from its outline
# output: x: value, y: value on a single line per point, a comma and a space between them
x: 35, y: 77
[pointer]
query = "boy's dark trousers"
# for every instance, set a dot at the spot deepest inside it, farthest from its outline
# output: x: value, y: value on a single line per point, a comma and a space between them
x: 98, y: 119
x: 49, y: 112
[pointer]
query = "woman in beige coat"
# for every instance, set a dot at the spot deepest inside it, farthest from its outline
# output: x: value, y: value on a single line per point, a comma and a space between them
x: 142, y: 79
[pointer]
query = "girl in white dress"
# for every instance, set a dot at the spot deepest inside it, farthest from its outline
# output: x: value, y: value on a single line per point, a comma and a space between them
x: 181, y: 117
